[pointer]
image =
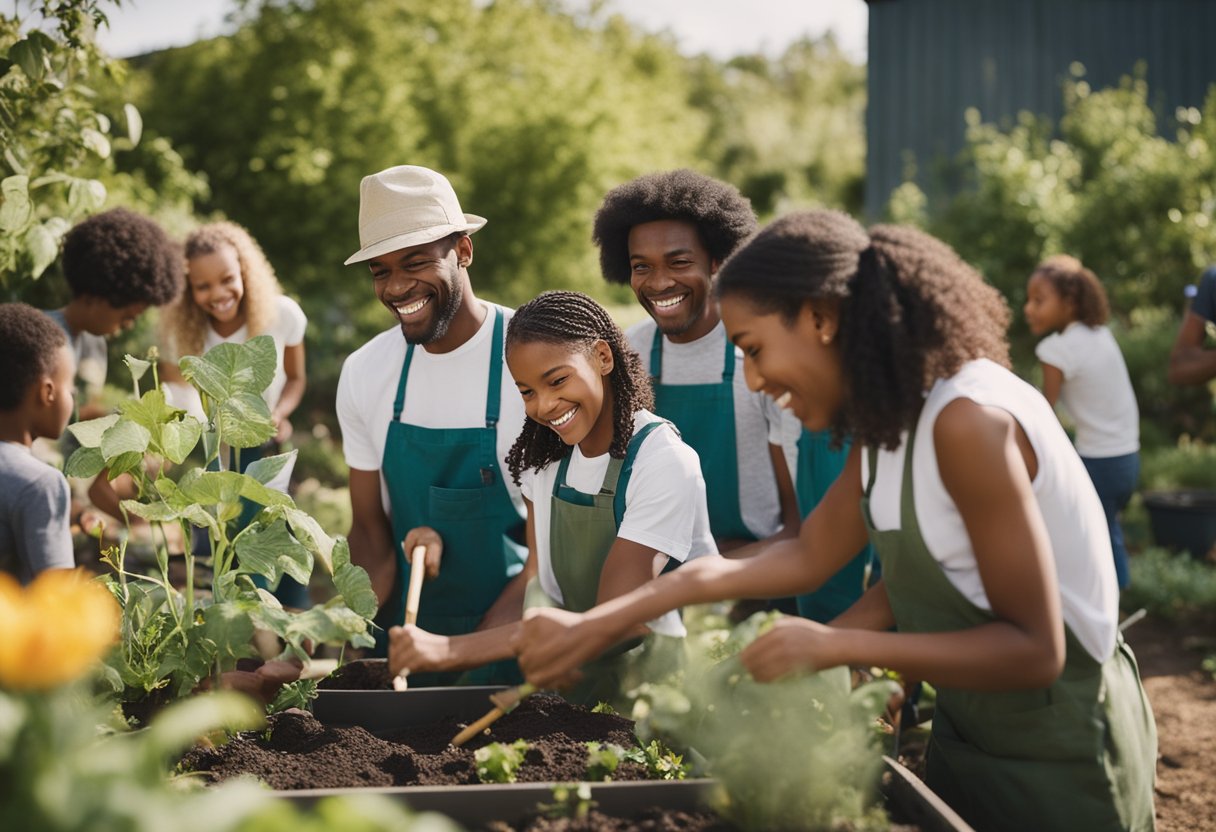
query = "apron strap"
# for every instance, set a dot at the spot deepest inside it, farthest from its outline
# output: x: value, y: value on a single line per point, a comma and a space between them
x: 494, y: 388
x: 622, y: 483
x: 656, y: 356
x: 728, y: 362
x: 399, y: 401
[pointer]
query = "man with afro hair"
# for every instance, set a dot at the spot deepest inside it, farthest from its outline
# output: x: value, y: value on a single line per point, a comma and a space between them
x: 666, y: 234
x: 117, y: 264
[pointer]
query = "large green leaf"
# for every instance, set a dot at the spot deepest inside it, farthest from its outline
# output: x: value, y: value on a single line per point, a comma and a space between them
x: 228, y: 487
x: 244, y: 420
x: 123, y: 463
x: 30, y: 56
x: 353, y: 582
x: 228, y: 369
x: 43, y: 247
x: 84, y: 463
x: 124, y: 437
x: 177, y: 439
x: 309, y: 532
x: 267, y: 468
x: 15, y: 206
x: 230, y: 629
x: 271, y: 551
x: 328, y: 624
x: 89, y: 433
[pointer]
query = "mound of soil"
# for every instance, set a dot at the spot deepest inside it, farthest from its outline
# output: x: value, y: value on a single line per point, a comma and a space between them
x: 648, y: 820
x: 298, y: 752
x: 364, y: 674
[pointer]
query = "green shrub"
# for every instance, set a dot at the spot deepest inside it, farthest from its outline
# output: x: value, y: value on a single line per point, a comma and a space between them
x: 1169, y: 585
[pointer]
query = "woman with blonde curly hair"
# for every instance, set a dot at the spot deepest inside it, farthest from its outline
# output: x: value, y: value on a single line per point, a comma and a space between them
x: 232, y: 295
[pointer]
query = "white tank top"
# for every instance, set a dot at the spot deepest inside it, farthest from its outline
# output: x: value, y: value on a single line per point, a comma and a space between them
x: 1065, y: 494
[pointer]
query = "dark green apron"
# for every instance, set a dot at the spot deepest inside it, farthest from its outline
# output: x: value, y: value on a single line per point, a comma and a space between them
x: 1079, y: 755
x: 705, y: 416
x: 819, y: 464
x: 582, y: 529
x: 449, y: 479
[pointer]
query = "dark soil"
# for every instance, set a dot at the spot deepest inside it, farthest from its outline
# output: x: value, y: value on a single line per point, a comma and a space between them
x: 297, y: 752
x: 364, y: 674
x: 648, y: 820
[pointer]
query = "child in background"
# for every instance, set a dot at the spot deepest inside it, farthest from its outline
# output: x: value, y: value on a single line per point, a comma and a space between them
x: 1084, y: 370
x: 997, y: 573
x: 232, y: 295
x: 612, y: 492
x: 117, y: 264
x: 36, y: 400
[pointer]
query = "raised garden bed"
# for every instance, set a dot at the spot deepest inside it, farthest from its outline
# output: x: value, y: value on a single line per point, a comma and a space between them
x: 354, y: 739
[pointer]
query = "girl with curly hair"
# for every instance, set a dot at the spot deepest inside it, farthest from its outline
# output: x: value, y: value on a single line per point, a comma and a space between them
x: 1084, y: 370
x: 998, y: 585
x: 232, y: 295
x: 612, y: 493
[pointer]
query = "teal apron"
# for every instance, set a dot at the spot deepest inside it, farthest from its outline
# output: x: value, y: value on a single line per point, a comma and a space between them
x: 819, y: 464
x: 449, y: 479
x: 582, y: 529
x: 705, y: 416
x: 1078, y: 755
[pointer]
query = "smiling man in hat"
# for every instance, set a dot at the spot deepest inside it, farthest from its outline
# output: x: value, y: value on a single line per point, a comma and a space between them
x: 428, y: 413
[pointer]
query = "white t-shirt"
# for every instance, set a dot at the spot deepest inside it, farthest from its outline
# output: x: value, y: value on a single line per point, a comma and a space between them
x: 1076, y: 524
x: 287, y: 331
x: 1097, y: 391
x: 444, y: 390
x: 700, y: 362
x: 664, y: 504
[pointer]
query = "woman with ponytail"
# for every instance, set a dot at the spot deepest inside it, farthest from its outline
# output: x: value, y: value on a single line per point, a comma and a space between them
x: 613, y: 495
x: 998, y: 584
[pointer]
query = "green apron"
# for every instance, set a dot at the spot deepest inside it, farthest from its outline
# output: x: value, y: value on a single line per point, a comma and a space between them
x: 449, y: 479
x: 582, y: 529
x: 705, y: 416
x: 1078, y: 755
x: 819, y: 464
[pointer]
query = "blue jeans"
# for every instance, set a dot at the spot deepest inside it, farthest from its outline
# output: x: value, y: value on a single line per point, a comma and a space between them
x: 1115, y: 479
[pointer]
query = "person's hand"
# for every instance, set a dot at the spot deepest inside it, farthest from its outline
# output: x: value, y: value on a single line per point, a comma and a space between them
x: 416, y: 650
x: 552, y: 645
x: 428, y: 537
x: 282, y: 428
x: 264, y: 683
x: 791, y: 646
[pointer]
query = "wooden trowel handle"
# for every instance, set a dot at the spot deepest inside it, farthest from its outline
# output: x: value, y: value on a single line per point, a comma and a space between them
x: 417, y: 573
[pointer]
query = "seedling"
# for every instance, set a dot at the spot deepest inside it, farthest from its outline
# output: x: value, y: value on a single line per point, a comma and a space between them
x: 498, y: 762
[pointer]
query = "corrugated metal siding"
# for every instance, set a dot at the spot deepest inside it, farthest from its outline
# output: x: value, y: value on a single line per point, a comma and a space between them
x: 929, y: 60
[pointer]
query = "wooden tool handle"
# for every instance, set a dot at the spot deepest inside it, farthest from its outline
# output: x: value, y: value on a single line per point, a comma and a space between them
x: 417, y: 573
x: 477, y: 727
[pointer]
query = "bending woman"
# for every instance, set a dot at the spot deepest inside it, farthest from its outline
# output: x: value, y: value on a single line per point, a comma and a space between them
x: 997, y: 568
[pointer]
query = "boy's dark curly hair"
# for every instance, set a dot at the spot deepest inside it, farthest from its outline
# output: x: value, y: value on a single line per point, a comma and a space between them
x: 723, y: 217
x: 123, y: 258
x: 911, y: 311
x: 1077, y: 285
x: 30, y: 340
x: 573, y: 318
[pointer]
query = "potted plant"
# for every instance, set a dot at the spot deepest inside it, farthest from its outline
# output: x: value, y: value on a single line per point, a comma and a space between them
x: 172, y: 639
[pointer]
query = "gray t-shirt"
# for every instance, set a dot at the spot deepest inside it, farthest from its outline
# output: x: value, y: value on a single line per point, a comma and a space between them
x: 34, y: 506
x: 700, y: 362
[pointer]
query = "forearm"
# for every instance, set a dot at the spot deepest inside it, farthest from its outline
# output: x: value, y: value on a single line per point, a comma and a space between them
x: 872, y: 611
x: 992, y: 656
x: 742, y: 551
x: 289, y: 399
x: 1192, y: 365
x: 480, y: 647
x: 372, y: 549
x: 509, y: 607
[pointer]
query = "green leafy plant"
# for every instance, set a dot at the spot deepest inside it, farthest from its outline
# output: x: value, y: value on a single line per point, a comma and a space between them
x: 173, y: 639
x: 602, y: 707
x: 295, y: 694
x: 603, y: 759
x: 498, y: 762
x: 570, y: 800
x: 1170, y: 585
x: 661, y: 762
x: 800, y: 753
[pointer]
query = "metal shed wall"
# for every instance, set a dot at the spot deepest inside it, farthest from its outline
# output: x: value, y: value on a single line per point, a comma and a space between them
x: 929, y: 60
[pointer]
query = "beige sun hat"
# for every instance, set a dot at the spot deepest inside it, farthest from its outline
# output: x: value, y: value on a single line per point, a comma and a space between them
x: 404, y: 206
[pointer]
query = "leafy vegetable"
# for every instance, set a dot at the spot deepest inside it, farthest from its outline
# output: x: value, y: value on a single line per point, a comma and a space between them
x: 498, y: 762
x: 296, y: 694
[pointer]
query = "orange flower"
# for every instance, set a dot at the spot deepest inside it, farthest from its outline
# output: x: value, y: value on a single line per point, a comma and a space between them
x: 53, y: 630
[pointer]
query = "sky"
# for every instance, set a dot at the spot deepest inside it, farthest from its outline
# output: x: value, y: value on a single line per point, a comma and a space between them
x: 723, y: 28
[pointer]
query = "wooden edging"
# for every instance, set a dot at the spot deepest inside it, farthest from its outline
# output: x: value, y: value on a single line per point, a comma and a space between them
x: 918, y: 802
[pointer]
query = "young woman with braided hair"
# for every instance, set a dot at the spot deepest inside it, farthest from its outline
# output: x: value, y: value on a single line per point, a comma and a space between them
x: 997, y: 572
x: 613, y: 494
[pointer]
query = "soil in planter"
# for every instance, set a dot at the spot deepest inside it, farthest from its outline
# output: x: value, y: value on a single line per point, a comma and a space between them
x: 648, y: 820
x: 297, y: 752
x: 363, y: 674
